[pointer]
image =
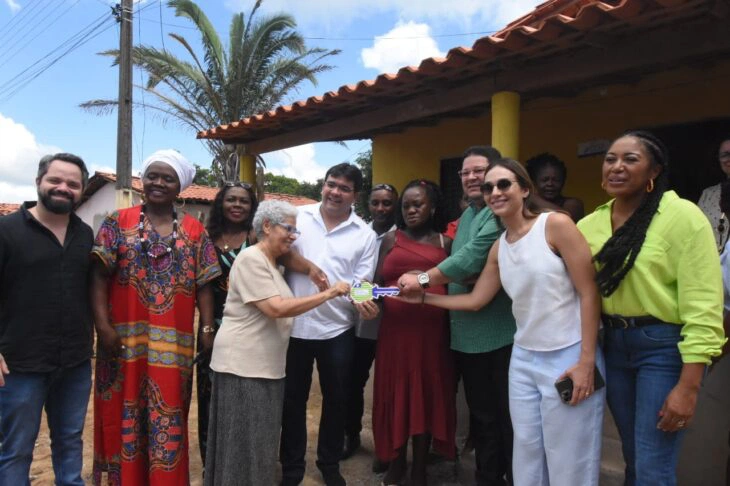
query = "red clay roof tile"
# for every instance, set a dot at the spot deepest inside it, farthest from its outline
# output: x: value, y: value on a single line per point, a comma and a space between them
x: 7, y: 208
x: 194, y: 193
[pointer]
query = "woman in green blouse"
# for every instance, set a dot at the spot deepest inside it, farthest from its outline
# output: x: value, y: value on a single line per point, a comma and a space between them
x: 659, y: 277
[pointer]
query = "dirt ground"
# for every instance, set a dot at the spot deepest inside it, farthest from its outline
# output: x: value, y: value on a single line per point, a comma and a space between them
x: 356, y: 470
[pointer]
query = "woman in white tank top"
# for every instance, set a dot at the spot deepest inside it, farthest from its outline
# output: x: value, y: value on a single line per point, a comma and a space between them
x: 544, y: 264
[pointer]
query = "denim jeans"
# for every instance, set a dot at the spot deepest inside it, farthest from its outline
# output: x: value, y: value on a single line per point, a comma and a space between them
x: 334, y: 357
x: 65, y: 395
x: 555, y: 443
x: 643, y: 364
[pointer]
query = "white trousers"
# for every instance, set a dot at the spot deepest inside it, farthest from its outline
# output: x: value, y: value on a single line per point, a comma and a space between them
x: 554, y: 443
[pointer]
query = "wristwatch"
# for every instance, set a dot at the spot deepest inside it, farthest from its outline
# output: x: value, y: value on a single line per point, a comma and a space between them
x: 424, y: 280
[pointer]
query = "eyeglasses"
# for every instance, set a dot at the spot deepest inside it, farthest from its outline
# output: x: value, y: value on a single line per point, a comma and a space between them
x: 244, y: 185
x: 724, y: 155
x: 383, y: 187
x: 343, y: 188
x: 478, y: 172
x: 502, y: 185
x: 292, y: 230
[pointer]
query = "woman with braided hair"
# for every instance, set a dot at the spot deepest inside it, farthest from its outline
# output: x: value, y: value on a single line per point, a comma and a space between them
x: 659, y: 276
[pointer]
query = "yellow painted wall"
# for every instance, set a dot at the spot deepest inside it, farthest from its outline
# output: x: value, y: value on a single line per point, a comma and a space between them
x: 416, y: 153
x: 557, y: 125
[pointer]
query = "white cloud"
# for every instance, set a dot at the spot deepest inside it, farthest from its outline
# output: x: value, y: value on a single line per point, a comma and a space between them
x: 414, y: 44
x: 14, y: 193
x: 13, y: 5
x: 477, y: 15
x: 19, y: 160
x: 297, y: 162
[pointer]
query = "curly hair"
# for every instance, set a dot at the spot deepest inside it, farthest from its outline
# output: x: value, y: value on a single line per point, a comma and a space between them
x: 433, y: 193
x: 216, y: 220
x: 618, y: 254
x: 545, y: 159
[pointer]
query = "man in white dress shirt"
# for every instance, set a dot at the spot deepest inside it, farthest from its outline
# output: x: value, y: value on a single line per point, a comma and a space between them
x: 339, y: 242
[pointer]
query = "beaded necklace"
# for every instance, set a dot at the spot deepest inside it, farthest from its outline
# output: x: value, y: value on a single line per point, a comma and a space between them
x: 144, y: 241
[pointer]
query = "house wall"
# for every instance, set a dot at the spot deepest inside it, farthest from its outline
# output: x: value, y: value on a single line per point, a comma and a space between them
x: 558, y: 125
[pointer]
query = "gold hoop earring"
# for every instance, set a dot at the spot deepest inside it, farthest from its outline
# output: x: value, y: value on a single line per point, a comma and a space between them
x: 179, y: 207
x: 650, y: 185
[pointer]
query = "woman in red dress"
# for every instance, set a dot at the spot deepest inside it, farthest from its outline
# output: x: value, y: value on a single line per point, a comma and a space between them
x: 414, y: 374
x: 151, y: 265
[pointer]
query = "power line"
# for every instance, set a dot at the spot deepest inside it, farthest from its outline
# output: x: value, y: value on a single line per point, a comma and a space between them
x: 377, y: 37
x: 26, y: 18
x: 26, y: 76
x: 43, y: 28
x: 16, y: 18
x: 25, y: 83
x: 353, y: 39
x: 59, y: 47
x: 140, y: 151
x: 162, y: 34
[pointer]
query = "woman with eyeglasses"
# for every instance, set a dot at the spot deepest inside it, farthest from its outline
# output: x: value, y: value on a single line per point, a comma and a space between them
x: 661, y: 286
x: 414, y: 391
x: 249, y: 354
x: 544, y: 265
x: 709, y: 201
x: 229, y: 227
x: 151, y: 266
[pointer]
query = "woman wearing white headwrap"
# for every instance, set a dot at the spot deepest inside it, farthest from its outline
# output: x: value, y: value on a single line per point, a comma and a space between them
x: 151, y: 266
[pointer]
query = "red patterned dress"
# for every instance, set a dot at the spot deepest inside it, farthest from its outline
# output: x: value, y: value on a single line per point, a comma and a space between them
x: 142, y: 398
x: 415, y: 390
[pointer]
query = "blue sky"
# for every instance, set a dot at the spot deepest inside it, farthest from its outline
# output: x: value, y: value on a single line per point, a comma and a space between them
x: 39, y: 98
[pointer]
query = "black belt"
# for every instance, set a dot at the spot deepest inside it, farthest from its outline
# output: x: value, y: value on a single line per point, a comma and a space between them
x: 623, y: 322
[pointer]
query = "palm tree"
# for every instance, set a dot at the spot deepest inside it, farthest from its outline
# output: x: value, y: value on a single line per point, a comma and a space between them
x: 265, y: 61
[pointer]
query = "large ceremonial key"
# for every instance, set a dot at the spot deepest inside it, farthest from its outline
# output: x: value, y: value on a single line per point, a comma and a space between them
x: 362, y: 291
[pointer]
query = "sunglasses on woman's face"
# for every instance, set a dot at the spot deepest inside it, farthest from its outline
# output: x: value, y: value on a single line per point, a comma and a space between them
x: 243, y: 185
x: 502, y: 185
x: 383, y: 187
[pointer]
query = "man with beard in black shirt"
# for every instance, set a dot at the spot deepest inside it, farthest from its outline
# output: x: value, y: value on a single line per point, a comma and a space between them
x: 45, y: 323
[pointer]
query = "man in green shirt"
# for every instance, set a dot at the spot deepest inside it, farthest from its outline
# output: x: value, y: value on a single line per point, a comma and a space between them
x: 481, y: 340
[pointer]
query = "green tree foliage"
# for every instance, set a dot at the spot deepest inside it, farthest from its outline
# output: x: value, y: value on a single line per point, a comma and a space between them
x: 288, y: 185
x: 205, y: 177
x: 281, y: 184
x: 364, y: 160
x: 265, y: 61
x: 312, y: 190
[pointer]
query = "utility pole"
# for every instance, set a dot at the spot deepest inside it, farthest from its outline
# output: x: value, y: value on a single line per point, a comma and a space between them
x: 123, y: 12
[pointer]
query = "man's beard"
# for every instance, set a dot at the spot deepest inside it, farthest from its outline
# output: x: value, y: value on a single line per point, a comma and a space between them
x: 55, y: 206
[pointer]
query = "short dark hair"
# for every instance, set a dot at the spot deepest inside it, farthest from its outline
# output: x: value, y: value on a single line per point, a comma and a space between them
x: 349, y: 171
x: 433, y: 193
x: 545, y: 159
x: 46, y: 160
x: 216, y: 220
x: 487, y: 151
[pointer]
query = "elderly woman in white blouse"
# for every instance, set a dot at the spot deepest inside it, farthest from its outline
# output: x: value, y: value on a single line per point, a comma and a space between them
x: 710, y: 199
x: 249, y: 354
